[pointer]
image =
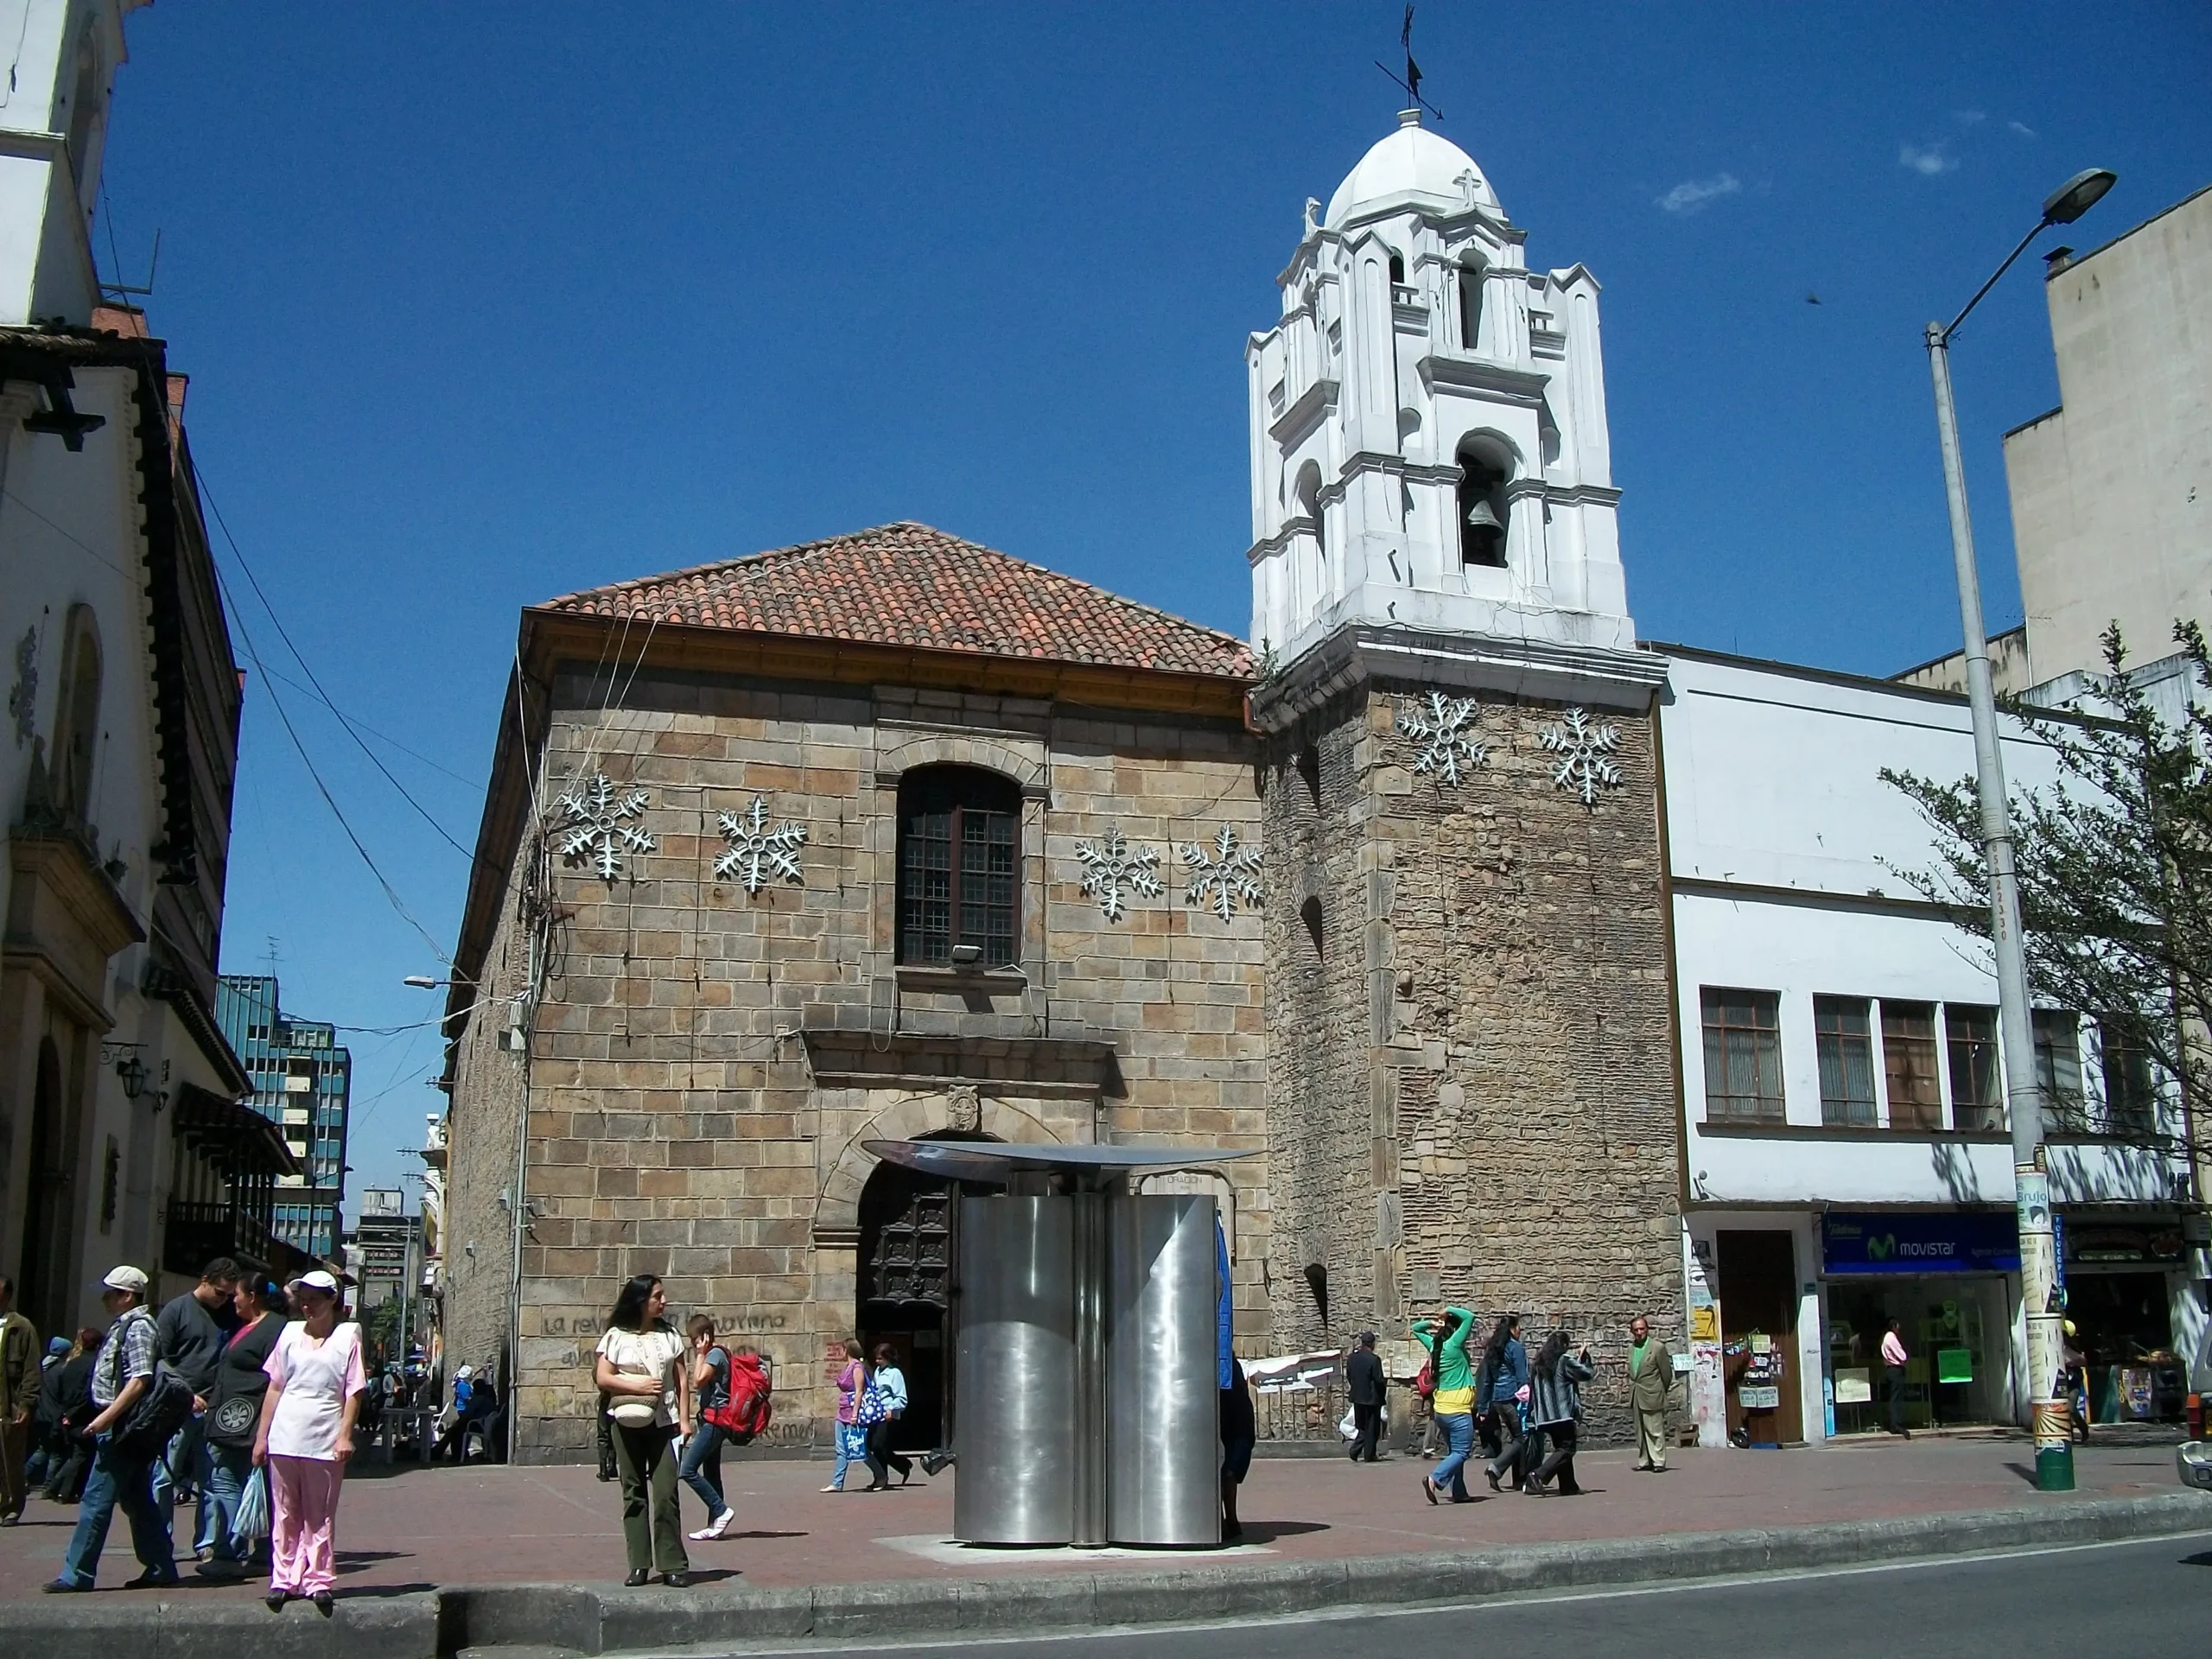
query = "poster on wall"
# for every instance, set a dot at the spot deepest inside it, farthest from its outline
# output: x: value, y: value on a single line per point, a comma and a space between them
x: 1854, y: 1385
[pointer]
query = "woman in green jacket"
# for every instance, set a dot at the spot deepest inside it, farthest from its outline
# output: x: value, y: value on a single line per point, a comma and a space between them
x: 1446, y: 1338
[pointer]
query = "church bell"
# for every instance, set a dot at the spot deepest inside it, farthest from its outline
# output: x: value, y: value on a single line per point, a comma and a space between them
x: 1482, y: 521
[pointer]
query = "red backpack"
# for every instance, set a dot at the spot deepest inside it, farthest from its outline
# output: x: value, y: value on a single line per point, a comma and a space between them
x: 746, y: 1410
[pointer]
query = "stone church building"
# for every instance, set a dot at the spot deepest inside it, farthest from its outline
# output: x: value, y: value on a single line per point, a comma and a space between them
x: 892, y: 834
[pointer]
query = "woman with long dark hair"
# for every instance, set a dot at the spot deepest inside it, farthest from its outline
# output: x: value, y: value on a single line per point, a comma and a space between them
x: 1504, y: 1388
x: 1555, y: 1401
x: 638, y: 1366
x: 887, y: 1390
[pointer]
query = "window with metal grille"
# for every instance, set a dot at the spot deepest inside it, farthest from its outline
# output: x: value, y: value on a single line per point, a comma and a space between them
x: 1908, y: 1065
x: 1843, y: 1034
x: 2131, y: 1098
x: 959, y: 866
x: 1977, y: 1094
x: 1742, y: 1055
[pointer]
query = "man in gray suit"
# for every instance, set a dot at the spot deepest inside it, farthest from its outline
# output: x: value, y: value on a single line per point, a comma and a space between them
x: 1650, y: 1375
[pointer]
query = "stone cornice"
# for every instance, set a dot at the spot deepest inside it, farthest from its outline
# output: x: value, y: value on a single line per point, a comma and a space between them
x: 1465, y: 373
x: 1545, y: 670
x: 66, y: 918
x: 1304, y: 410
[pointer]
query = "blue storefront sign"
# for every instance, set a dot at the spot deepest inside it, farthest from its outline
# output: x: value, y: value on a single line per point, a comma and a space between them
x: 1916, y: 1242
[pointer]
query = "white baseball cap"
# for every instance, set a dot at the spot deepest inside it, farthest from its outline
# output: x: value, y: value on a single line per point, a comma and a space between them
x: 316, y: 1279
x: 125, y: 1278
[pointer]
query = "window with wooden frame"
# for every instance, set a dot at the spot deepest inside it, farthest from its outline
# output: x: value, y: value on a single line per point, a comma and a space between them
x: 1742, y: 1055
x: 2131, y: 1096
x: 1843, y: 1034
x: 1908, y: 1065
x: 2058, y: 1068
x: 1977, y: 1090
x: 959, y: 868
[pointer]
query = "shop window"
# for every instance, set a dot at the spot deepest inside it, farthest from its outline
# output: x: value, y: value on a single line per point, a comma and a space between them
x: 2058, y: 1069
x: 1743, y: 1056
x: 959, y: 868
x: 2131, y: 1097
x: 1908, y: 1065
x: 1977, y: 1091
x: 1843, y: 1033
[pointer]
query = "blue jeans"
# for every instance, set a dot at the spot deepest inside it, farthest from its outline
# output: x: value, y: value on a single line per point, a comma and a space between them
x: 183, y: 1467
x: 702, y: 1468
x: 852, y: 1447
x: 127, y: 1481
x: 1458, y: 1441
x: 229, y: 1468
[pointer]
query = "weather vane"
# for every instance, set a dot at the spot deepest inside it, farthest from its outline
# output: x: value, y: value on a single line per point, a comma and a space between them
x: 1411, y: 80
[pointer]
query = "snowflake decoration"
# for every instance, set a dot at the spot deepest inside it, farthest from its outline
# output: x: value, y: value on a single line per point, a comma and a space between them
x: 1439, y: 724
x: 758, y: 853
x: 599, y: 830
x: 1110, y: 869
x: 1584, y: 764
x: 1223, y: 879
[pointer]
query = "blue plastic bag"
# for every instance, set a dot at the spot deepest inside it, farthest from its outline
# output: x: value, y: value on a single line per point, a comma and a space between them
x: 250, y: 1524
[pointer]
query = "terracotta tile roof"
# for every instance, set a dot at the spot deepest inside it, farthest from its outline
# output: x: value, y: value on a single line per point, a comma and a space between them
x: 909, y: 585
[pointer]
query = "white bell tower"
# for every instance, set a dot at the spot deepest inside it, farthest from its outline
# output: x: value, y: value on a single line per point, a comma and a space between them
x: 53, y: 104
x: 1429, y: 454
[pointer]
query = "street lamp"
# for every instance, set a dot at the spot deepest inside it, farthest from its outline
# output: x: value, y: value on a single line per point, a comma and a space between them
x: 2023, y: 1094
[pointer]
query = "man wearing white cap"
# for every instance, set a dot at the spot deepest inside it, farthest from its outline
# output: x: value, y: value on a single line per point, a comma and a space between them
x: 123, y: 1370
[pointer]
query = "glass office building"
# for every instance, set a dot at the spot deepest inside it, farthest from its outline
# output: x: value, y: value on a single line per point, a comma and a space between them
x: 302, y: 1080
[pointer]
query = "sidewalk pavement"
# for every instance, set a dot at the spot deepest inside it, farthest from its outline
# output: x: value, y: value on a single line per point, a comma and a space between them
x: 414, y: 1528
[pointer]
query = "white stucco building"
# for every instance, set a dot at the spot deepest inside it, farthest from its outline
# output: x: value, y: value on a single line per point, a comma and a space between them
x: 121, y: 1134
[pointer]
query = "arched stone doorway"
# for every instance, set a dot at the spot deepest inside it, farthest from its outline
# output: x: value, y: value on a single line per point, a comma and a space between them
x: 908, y: 1245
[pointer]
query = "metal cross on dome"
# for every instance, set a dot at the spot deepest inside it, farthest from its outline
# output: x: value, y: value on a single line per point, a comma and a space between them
x: 1439, y: 724
x: 1111, y: 868
x: 758, y: 853
x: 599, y: 830
x: 1585, y: 753
x: 1219, y: 881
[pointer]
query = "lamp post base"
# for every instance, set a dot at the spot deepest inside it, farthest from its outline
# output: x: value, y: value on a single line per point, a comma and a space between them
x: 2054, y: 1468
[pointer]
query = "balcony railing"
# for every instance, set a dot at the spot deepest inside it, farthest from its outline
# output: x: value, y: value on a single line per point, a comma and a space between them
x: 193, y: 1234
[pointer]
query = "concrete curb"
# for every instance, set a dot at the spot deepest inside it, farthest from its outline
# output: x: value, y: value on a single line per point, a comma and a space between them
x: 584, y: 1619
x: 589, y: 1619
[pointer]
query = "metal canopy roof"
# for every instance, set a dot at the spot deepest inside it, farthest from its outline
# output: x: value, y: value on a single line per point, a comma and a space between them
x: 995, y: 1161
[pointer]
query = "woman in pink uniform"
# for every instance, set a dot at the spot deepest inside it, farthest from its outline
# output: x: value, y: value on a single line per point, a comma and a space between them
x: 315, y: 1382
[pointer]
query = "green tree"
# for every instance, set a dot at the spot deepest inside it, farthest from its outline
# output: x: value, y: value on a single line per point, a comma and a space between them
x: 2115, y: 873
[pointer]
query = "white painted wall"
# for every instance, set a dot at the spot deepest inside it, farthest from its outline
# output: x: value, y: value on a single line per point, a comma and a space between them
x: 46, y: 194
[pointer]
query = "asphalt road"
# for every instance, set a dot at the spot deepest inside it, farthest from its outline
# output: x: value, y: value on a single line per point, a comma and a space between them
x: 2137, y: 1598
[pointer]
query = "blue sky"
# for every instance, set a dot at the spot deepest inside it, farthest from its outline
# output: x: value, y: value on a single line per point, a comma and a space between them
x: 483, y: 304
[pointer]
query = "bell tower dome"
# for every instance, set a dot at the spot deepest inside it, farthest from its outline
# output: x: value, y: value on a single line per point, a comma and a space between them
x: 1429, y: 453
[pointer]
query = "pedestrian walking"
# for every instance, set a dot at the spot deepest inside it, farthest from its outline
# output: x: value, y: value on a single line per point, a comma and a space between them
x: 1650, y: 1376
x: 1894, y: 1359
x: 701, y: 1465
x: 1446, y: 1336
x: 20, y: 1375
x: 1424, y: 1408
x: 305, y: 1438
x: 1505, y: 1392
x: 122, y: 1474
x: 1239, y: 1434
x: 42, y: 1444
x: 455, y: 1437
x: 189, y: 1336
x: 2073, y: 1382
x: 1555, y: 1403
x: 852, y: 1439
x: 639, y: 1367
x: 65, y: 1408
x: 234, y: 1422
x: 887, y: 1393
x: 1369, y: 1390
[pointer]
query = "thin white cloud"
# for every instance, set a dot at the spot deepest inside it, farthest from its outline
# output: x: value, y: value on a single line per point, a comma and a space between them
x: 1927, y: 160
x: 1969, y: 117
x: 1691, y: 195
x: 2022, y: 128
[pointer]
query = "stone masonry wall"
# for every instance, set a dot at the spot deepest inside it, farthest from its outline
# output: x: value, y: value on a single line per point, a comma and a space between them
x: 706, y: 1062
x: 1494, y: 972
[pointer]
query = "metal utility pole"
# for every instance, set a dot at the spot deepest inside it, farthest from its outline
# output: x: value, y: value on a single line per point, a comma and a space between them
x: 2023, y: 1090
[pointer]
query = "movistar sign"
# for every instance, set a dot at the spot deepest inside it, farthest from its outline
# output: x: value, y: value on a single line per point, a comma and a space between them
x: 1919, y: 1241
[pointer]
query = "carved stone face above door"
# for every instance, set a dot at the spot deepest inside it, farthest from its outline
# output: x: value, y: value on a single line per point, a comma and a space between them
x: 963, y: 1109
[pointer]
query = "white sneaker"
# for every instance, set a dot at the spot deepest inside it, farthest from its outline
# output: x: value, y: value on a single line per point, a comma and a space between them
x: 720, y: 1527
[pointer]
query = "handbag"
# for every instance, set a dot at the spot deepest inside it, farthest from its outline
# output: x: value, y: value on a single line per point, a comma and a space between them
x: 871, y: 1407
x: 155, y: 1415
x: 234, y: 1420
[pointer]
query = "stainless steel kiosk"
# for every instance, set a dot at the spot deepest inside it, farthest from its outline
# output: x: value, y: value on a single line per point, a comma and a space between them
x: 1085, y: 1346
